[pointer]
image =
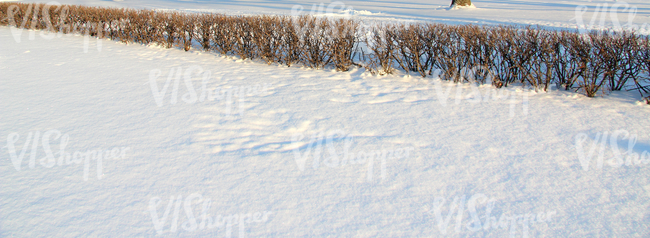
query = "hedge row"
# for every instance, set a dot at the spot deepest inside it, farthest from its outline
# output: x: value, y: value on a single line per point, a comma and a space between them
x: 592, y: 63
x: 504, y: 55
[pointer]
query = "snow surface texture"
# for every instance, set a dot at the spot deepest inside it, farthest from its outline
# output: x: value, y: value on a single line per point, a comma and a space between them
x: 546, y: 13
x: 454, y: 7
x: 516, y: 156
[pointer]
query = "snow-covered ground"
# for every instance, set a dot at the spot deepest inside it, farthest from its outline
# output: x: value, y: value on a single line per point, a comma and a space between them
x: 547, y: 13
x: 240, y: 148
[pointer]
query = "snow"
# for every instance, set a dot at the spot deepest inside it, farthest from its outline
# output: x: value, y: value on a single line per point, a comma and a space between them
x: 455, y: 7
x: 555, y: 14
x: 529, y: 157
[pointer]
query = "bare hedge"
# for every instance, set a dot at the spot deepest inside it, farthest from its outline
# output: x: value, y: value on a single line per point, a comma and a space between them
x: 593, y: 63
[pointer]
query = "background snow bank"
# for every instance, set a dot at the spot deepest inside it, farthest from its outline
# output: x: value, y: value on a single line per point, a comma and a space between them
x: 547, y: 13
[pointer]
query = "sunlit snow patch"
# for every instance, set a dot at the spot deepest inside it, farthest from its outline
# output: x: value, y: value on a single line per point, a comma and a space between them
x: 453, y: 7
x: 359, y: 13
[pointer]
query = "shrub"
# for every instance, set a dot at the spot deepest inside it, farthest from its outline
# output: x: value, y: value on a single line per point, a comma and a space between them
x: 593, y: 63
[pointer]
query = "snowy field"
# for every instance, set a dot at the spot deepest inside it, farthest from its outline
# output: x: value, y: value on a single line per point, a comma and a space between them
x: 103, y: 139
x: 547, y: 13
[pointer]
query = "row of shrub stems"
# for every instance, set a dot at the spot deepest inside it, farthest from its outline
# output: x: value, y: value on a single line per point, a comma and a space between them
x: 593, y: 62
